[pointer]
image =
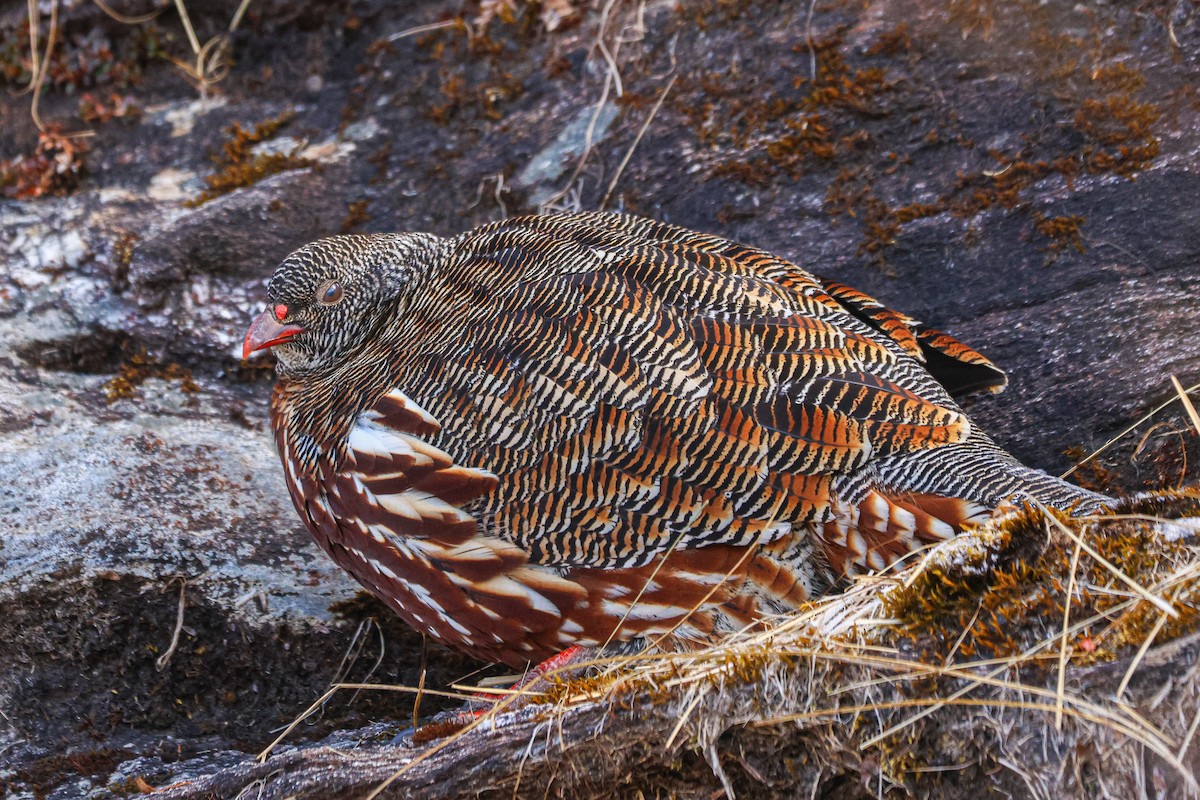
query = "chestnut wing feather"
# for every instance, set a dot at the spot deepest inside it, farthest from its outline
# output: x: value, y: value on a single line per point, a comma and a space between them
x: 636, y: 387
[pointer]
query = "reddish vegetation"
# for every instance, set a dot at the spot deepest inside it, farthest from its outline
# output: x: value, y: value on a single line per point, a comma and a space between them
x: 54, y: 168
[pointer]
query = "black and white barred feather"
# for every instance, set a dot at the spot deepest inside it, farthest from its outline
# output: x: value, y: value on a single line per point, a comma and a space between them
x: 573, y: 428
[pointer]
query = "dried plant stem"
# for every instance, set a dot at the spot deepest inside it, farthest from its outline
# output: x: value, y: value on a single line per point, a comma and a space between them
x: 1064, y: 650
x: 161, y: 663
x: 637, y: 139
x: 1187, y: 403
x: 1147, y: 416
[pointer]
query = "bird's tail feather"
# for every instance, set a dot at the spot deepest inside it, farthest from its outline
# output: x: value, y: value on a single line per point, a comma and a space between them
x: 978, y: 471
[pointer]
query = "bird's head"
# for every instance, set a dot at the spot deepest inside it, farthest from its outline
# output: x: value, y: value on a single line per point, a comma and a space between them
x: 329, y: 298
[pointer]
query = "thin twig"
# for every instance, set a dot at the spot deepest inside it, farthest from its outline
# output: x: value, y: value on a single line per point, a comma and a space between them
x: 1064, y: 647
x: 1141, y: 653
x: 124, y: 20
x: 433, y: 26
x: 1145, y: 594
x: 1127, y: 431
x: 637, y: 139
x: 161, y: 663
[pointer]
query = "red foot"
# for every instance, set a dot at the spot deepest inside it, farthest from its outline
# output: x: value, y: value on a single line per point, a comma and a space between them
x: 446, y: 727
x: 535, y: 674
x: 556, y: 662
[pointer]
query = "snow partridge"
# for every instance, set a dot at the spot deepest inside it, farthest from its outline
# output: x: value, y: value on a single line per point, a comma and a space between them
x: 582, y: 429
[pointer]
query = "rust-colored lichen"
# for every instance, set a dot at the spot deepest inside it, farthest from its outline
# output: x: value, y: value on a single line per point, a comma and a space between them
x: 238, y: 166
x: 122, y: 259
x: 758, y: 132
x: 379, y: 160
x: 1166, y: 457
x: 892, y: 43
x: 1093, y: 474
x: 50, y: 771
x: 788, y: 129
x: 1120, y: 133
x: 1061, y: 231
x: 80, y: 62
x: 486, y: 99
x: 140, y: 368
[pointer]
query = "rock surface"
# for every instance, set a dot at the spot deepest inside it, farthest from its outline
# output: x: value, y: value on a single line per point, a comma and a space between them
x: 1022, y: 174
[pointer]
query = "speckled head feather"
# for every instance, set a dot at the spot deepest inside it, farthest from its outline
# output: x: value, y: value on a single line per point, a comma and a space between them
x: 371, y: 276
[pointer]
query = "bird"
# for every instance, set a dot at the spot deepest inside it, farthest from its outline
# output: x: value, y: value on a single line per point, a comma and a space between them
x: 586, y: 430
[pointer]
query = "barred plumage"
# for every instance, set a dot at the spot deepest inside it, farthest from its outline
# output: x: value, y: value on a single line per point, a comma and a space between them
x: 583, y: 428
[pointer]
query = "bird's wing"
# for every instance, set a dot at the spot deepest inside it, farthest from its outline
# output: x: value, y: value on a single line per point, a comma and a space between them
x: 637, y: 387
x: 958, y: 367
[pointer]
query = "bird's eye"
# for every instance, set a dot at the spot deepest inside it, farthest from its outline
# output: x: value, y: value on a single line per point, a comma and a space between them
x: 330, y: 294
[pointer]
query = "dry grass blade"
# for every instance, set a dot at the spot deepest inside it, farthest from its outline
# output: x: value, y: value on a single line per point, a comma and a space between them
x: 416, y: 712
x: 209, y: 66
x: 32, y: 12
x: 181, y: 9
x: 124, y: 20
x: 419, y: 29
x: 1141, y: 654
x: 38, y: 79
x: 683, y: 718
x: 637, y: 599
x: 962, y: 636
x: 612, y: 185
x: 974, y: 681
x: 1142, y: 591
x: 1144, y: 418
x: 440, y: 746
x: 1187, y: 739
x: 612, y: 79
x: 237, y: 16
x: 320, y: 701
x: 1156, y: 745
x: 1187, y: 403
x: 161, y: 662
x: 1064, y: 649
x: 357, y: 687
x: 858, y: 654
x: 609, y: 56
x: 708, y: 595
